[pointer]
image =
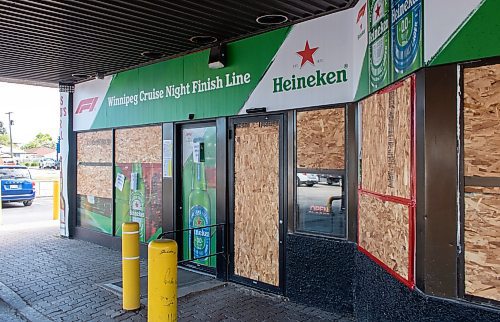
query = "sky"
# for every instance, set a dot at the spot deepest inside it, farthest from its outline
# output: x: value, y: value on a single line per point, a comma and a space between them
x: 35, y: 109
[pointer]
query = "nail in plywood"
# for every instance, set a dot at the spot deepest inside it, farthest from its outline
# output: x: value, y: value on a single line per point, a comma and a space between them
x: 256, y: 202
x: 95, y: 181
x: 384, y: 233
x: 138, y: 145
x: 482, y: 121
x: 95, y: 146
x: 482, y: 242
x: 386, y: 141
x: 320, y: 139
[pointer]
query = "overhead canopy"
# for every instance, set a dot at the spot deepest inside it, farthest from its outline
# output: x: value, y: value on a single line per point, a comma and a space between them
x: 49, y: 41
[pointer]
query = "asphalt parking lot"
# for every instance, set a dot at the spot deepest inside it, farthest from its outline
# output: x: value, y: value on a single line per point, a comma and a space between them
x: 15, y: 213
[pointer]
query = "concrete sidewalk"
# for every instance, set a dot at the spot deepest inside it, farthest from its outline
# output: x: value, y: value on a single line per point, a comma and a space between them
x: 45, y: 277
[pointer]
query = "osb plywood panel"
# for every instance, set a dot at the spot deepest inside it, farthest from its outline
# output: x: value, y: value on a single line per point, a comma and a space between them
x: 95, y: 181
x: 320, y: 139
x: 256, y: 202
x: 482, y: 121
x: 138, y: 144
x: 95, y: 146
x: 386, y: 142
x: 482, y: 242
x: 384, y: 231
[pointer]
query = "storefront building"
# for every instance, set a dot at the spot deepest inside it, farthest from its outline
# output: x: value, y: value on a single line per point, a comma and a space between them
x: 349, y: 162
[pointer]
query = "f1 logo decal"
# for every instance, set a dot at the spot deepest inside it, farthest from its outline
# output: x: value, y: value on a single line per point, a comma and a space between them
x: 87, y: 104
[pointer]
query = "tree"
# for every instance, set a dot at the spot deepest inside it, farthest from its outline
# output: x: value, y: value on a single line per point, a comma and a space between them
x: 4, y: 139
x: 41, y: 139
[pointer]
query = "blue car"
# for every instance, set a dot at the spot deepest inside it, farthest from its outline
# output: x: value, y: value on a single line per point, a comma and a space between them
x: 17, y: 185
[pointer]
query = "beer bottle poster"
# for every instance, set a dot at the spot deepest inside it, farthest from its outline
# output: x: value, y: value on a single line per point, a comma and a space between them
x: 406, y: 34
x: 379, y: 44
x: 138, y: 199
x: 198, y: 194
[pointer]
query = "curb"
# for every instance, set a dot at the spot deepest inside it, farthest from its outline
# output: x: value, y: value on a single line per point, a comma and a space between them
x: 16, y: 302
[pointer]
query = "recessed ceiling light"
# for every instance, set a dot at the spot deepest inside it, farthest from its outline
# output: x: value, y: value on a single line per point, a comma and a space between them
x: 203, y: 40
x: 271, y: 19
x: 80, y: 75
x: 152, y: 54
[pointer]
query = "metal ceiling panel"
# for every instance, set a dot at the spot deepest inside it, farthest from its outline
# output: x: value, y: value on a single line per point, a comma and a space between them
x: 46, y: 41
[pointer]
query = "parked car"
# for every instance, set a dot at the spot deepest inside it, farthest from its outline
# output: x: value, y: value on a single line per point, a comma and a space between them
x: 17, y: 185
x: 309, y: 179
x: 331, y: 180
x: 47, y: 163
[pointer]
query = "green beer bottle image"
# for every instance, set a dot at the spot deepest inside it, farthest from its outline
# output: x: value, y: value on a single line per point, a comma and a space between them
x: 137, y: 201
x: 378, y: 44
x: 199, y: 206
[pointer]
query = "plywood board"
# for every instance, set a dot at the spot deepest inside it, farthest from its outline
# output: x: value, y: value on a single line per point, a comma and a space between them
x: 256, y: 202
x: 95, y: 147
x: 321, y: 139
x: 95, y: 181
x: 138, y: 145
x: 482, y: 121
x: 482, y: 242
x: 384, y: 231
x: 386, y: 141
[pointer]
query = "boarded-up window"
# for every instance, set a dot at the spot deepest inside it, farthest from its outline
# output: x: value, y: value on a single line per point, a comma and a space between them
x: 320, y: 177
x: 386, y: 197
x: 320, y: 139
x: 138, y: 171
x: 95, y: 180
x: 482, y: 179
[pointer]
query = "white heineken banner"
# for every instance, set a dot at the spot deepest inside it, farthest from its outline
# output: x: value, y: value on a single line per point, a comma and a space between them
x: 314, y: 66
x: 334, y: 59
x: 63, y: 158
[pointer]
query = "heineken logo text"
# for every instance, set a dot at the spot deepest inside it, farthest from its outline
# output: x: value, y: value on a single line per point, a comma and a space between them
x: 378, y: 31
x: 281, y: 84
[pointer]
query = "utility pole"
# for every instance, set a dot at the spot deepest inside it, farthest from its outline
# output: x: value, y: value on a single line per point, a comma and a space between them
x: 10, y: 134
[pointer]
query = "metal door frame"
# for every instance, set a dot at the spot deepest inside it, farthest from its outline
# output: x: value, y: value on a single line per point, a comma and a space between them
x: 178, y: 210
x: 280, y: 118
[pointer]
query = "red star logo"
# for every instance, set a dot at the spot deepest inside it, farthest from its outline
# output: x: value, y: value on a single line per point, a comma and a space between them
x: 307, y: 54
x: 377, y: 11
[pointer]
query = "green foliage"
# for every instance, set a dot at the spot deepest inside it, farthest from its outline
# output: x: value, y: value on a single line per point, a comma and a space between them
x: 35, y: 164
x: 41, y: 139
x: 4, y: 139
x: 27, y: 164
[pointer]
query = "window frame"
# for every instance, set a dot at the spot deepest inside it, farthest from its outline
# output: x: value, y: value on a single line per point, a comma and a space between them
x: 343, y: 172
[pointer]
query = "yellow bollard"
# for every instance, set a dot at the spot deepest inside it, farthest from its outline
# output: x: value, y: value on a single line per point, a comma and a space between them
x: 162, y: 280
x: 130, y: 266
x: 55, y: 203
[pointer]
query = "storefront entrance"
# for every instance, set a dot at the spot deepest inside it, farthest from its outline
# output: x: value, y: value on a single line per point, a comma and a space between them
x: 256, y: 186
x: 196, y: 217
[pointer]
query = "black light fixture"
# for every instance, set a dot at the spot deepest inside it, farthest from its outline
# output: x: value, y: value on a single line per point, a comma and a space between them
x: 256, y: 110
x: 203, y: 39
x: 272, y: 19
x: 217, y: 57
x: 99, y: 75
x: 191, y: 116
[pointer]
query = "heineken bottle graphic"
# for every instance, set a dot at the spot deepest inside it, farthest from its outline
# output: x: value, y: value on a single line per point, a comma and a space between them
x: 199, y: 205
x: 378, y: 44
x: 406, y: 36
x: 137, y: 200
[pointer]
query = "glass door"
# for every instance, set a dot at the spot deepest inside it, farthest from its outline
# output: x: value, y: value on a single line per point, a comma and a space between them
x: 198, y: 196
